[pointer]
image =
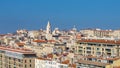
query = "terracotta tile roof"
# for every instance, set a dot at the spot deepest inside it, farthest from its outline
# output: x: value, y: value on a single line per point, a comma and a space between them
x: 40, y: 58
x: 99, y: 41
x: 40, y: 41
x: 20, y: 44
x: 18, y: 50
x: 116, y: 66
x: 50, y: 56
x: 66, y: 62
x: 72, y: 65
x: 51, y: 41
x: 92, y: 63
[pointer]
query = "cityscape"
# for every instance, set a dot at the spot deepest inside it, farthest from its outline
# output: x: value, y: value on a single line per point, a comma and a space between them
x: 59, y: 33
x: 87, y: 48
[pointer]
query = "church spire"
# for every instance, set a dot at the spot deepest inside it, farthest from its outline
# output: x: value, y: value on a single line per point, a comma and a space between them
x: 48, y: 28
x: 48, y: 31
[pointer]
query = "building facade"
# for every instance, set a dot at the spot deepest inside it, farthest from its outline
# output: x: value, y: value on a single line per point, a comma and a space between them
x: 47, y: 63
x: 98, y: 53
x: 16, y: 58
x: 97, y: 33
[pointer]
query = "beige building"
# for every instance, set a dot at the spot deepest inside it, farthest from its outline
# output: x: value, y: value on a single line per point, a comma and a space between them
x: 116, y: 34
x: 41, y: 48
x: 16, y: 58
x: 97, y: 33
x: 98, y: 53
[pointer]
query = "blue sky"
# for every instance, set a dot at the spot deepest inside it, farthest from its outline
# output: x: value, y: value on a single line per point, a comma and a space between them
x: 64, y: 14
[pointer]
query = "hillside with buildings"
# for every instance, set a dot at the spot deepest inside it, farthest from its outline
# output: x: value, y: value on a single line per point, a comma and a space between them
x: 86, y: 48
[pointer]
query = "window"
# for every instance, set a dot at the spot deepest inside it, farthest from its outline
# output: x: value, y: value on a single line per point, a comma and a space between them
x: 110, y: 61
x: 98, y: 48
x: 19, y: 65
x: 25, y: 61
x: 25, y: 66
x: 30, y: 61
x: 18, y: 60
x: 9, y: 57
x: 30, y: 65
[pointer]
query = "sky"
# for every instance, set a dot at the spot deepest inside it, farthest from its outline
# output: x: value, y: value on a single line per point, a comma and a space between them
x: 62, y: 14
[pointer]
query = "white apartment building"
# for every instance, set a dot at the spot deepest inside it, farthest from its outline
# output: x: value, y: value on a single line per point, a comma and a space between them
x: 46, y: 63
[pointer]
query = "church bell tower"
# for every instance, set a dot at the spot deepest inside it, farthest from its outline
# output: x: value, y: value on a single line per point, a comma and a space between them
x: 48, y: 31
x: 48, y: 28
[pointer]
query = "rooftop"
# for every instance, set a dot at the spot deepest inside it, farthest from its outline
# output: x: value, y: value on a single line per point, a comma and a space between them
x: 92, y: 63
x: 18, y: 50
x: 102, y: 58
x: 100, y: 41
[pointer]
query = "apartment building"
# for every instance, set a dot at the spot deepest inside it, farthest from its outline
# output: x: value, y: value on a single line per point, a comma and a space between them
x: 47, y: 63
x: 116, y: 34
x: 16, y: 58
x: 98, y: 53
x: 97, y: 33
